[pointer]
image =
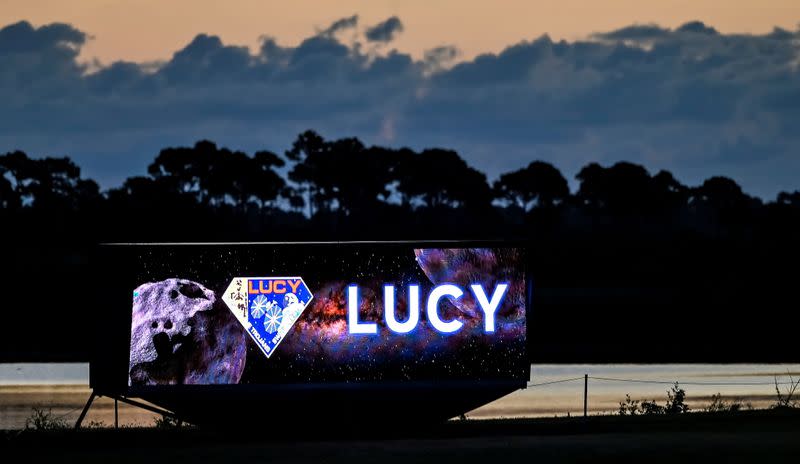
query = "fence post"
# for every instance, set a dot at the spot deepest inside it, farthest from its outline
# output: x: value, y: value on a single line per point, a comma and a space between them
x: 585, y: 394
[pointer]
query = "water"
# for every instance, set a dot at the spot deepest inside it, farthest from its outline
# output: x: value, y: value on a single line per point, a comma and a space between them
x: 44, y: 374
x: 63, y: 389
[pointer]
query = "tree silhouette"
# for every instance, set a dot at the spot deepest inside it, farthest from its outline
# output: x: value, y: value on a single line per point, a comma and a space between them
x: 622, y: 188
x: 628, y: 189
x: 668, y: 194
x: 307, y: 153
x: 440, y: 178
x: 722, y: 194
x: 339, y: 174
x: 220, y: 176
x: 147, y: 193
x: 180, y: 169
x: 721, y: 204
x: 9, y: 197
x: 539, y: 184
x: 264, y: 183
x: 789, y: 199
x: 363, y: 176
x: 47, y: 183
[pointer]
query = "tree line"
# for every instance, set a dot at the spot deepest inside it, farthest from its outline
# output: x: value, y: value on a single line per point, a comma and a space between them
x: 320, y: 188
x: 626, y: 258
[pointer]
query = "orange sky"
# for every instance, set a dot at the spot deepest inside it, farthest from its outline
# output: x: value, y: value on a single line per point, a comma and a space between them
x: 142, y: 30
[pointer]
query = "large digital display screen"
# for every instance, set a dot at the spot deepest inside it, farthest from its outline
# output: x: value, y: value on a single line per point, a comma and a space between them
x: 221, y: 315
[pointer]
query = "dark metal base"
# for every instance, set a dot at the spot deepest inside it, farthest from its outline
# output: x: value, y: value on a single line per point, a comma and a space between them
x: 117, y: 398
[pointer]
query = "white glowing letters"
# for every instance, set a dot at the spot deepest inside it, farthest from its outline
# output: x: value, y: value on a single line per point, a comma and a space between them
x: 487, y: 304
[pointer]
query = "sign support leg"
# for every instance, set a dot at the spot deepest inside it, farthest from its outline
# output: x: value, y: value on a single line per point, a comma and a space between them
x: 85, y: 410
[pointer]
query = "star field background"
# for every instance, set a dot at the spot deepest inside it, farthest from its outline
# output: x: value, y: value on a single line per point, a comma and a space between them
x: 319, y: 347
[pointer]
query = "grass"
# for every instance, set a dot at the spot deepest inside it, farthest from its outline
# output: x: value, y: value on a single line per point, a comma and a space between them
x: 744, y: 436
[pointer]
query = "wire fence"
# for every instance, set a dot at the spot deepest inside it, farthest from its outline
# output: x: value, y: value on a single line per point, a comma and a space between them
x: 792, y: 384
x: 554, y: 382
x: 661, y: 382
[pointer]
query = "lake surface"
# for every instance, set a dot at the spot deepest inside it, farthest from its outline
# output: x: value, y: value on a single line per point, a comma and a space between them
x: 64, y: 388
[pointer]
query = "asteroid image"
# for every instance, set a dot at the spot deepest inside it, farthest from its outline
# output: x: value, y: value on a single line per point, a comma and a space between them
x: 486, y: 266
x: 183, y: 334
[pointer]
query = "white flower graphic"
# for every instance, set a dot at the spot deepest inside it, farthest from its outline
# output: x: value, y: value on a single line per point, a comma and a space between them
x: 272, y: 319
x: 259, y: 306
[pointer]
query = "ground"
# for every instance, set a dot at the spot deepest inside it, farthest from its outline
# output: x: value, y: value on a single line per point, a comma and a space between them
x: 757, y: 436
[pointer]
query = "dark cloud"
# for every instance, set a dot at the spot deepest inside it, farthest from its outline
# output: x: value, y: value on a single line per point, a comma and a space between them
x: 385, y: 31
x: 635, y: 32
x: 690, y: 99
x: 40, y: 59
x: 648, y: 32
x: 22, y: 37
x: 340, y: 25
x: 697, y: 27
x: 205, y: 58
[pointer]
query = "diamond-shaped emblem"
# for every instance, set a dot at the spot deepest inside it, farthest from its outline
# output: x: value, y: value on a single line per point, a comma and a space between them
x: 267, y: 307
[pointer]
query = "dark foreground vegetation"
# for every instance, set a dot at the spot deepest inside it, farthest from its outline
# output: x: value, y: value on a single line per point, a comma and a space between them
x: 629, y: 266
x: 752, y: 436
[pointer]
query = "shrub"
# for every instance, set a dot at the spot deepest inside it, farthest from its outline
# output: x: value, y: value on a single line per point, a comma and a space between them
x: 719, y: 405
x: 628, y: 407
x: 786, y: 400
x: 675, y: 404
x: 44, y: 420
x: 649, y: 408
x: 676, y: 397
x: 167, y: 422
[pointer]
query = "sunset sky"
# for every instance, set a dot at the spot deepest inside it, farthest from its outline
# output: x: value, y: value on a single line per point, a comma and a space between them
x: 141, y: 30
x: 701, y: 88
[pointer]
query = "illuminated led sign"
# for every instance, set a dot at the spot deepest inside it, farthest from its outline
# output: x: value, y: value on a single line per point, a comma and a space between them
x: 344, y: 314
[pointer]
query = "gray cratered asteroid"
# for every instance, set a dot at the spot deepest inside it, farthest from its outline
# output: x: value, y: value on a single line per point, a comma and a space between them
x: 181, y: 333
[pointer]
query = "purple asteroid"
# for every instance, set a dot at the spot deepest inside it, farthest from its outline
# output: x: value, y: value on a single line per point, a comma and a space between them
x: 486, y: 266
x: 181, y: 333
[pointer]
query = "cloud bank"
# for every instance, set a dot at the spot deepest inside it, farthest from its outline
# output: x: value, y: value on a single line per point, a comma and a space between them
x: 690, y: 99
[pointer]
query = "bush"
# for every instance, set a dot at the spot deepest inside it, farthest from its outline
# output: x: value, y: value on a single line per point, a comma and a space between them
x: 786, y: 400
x: 676, y: 397
x: 719, y: 405
x: 650, y: 407
x: 628, y: 407
x: 675, y: 404
x: 44, y: 420
x: 167, y: 422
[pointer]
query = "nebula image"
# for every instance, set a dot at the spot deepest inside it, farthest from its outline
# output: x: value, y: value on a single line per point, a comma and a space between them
x: 320, y: 341
x: 181, y: 334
